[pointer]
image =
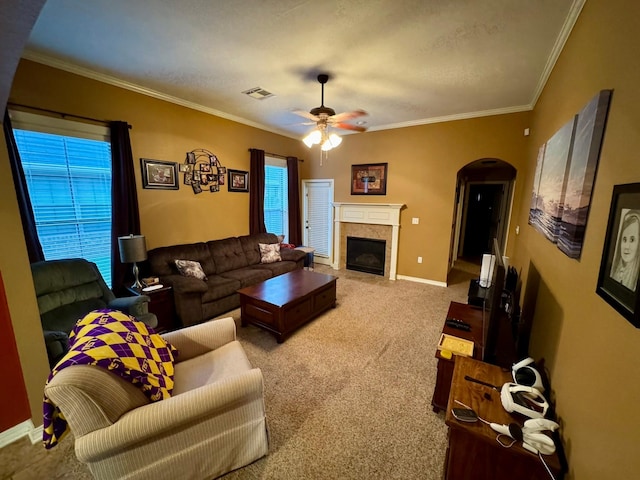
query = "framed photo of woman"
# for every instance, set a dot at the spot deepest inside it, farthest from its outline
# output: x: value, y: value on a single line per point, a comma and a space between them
x: 620, y: 266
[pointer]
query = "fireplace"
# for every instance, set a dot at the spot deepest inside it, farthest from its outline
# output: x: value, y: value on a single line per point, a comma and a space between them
x: 366, y: 255
x: 370, y: 220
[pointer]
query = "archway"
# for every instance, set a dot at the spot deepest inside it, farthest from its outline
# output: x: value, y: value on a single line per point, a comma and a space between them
x: 484, y: 193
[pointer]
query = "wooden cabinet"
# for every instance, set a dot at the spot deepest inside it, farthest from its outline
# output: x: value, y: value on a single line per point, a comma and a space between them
x: 473, y: 316
x: 473, y: 451
x: 162, y: 305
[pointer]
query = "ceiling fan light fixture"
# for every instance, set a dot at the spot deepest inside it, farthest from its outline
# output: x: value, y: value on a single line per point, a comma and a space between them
x: 313, y: 138
x: 330, y: 142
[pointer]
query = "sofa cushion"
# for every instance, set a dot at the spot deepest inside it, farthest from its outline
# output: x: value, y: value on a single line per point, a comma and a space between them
x: 219, y: 287
x: 227, y: 254
x: 190, y: 268
x: 224, y: 362
x: 270, y: 252
x: 162, y: 259
x: 277, y: 268
x: 248, y: 276
x: 250, y: 245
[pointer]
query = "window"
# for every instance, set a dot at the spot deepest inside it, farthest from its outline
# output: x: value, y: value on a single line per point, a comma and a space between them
x: 276, y: 201
x: 67, y: 166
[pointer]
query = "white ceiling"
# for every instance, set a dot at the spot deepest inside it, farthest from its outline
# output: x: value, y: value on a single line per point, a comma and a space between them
x: 406, y: 62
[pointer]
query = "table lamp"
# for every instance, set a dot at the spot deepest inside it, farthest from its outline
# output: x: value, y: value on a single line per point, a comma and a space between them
x: 133, y: 249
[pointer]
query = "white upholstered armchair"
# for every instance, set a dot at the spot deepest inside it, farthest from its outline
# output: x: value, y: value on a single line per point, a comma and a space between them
x: 213, y: 423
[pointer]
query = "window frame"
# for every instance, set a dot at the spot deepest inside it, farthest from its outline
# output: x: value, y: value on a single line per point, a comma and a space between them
x: 26, y: 121
x: 279, y: 163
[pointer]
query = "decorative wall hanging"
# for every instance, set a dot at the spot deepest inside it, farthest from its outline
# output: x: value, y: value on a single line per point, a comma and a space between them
x: 202, y: 170
x: 238, y: 181
x: 618, y: 277
x: 369, y: 179
x: 159, y: 175
x: 565, y: 175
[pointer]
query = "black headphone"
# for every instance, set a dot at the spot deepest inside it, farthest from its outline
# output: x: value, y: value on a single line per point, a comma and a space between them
x: 524, y: 374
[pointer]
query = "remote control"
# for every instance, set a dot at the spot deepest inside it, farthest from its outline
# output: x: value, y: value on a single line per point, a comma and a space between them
x: 459, y: 324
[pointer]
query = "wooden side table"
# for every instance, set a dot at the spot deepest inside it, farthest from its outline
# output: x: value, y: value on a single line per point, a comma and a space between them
x: 162, y: 305
x: 473, y: 316
x: 473, y: 450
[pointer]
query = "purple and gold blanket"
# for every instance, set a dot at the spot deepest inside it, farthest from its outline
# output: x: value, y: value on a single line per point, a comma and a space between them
x: 123, y: 345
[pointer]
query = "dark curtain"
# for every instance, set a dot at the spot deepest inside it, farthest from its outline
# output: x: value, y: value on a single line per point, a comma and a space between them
x: 256, y: 192
x: 295, y: 225
x: 125, y: 218
x: 34, y: 249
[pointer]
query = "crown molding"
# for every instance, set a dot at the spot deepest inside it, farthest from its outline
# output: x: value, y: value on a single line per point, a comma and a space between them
x: 451, y: 118
x: 567, y: 27
x: 110, y: 80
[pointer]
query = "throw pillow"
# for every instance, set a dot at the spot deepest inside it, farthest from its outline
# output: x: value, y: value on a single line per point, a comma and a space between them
x: 189, y: 268
x: 270, y: 252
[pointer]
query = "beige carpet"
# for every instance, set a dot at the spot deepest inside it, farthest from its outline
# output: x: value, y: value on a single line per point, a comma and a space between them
x: 348, y: 395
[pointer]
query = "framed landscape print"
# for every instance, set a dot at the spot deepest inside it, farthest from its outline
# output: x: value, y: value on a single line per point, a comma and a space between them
x: 238, y: 181
x: 369, y: 179
x: 618, y: 278
x: 158, y: 174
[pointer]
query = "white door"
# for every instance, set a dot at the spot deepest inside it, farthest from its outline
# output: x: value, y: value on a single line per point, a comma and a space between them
x: 317, y: 218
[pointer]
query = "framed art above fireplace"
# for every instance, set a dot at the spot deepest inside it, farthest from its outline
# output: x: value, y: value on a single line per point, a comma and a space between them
x: 369, y: 179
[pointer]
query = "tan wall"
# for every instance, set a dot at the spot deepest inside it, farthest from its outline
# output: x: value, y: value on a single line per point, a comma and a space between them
x: 423, y: 165
x: 592, y: 352
x: 14, y: 264
x: 161, y: 131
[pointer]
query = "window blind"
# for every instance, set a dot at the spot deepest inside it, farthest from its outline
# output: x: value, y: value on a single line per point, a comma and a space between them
x: 276, y: 202
x: 319, y: 219
x: 69, y: 183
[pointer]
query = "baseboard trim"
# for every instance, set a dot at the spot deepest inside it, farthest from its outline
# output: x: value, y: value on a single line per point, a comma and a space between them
x: 422, y: 280
x: 15, y: 433
x: 35, y: 435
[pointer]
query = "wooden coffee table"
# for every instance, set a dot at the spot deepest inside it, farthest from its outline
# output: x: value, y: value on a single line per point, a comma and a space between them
x: 283, y: 303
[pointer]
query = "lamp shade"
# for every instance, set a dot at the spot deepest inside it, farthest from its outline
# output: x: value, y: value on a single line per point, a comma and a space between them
x: 133, y: 248
x: 313, y: 138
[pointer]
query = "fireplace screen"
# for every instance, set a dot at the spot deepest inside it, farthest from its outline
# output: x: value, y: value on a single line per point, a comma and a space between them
x: 366, y: 255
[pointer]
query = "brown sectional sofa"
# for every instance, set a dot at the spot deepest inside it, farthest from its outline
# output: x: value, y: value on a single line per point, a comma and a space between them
x: 230, y: 264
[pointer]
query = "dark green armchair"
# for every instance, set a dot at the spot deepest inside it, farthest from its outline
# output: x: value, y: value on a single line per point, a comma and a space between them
x: 69, y: 289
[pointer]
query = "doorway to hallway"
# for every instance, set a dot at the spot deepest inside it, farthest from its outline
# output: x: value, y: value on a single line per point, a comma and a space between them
x: 483, y: 206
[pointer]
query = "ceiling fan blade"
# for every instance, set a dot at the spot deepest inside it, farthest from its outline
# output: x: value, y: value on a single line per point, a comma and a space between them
x: 308, y: 115
x: 348, y: 126
x: 341, y: 117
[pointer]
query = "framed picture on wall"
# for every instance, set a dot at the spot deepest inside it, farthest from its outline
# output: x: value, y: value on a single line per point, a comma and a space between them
x: 238, y: 181
x: 618, y: 278
x: 369, y: 179
x: 159, y: 174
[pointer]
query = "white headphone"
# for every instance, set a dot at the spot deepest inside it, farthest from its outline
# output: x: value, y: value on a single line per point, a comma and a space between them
x: 525, y: 400
x: 524, y: 374
x: 531, y: 435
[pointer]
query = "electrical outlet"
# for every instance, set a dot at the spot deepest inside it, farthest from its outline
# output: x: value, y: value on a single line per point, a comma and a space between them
x: 415, y: 220
x: 419, y: 259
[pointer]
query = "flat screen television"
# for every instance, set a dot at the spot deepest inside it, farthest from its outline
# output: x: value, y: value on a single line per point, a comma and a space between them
x: 493, y: 314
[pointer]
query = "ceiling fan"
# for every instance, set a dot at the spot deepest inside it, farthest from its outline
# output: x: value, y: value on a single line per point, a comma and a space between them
x: 324, y: 117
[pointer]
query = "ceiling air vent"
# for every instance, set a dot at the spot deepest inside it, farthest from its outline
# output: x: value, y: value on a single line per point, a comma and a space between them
x: 258, y: 93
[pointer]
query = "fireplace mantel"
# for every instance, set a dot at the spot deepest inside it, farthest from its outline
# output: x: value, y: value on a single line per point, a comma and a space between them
x: 373, y: 214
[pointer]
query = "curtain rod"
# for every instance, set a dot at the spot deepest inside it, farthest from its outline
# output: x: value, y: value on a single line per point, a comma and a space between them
x: 284, y: 157
x: 62, y: 114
